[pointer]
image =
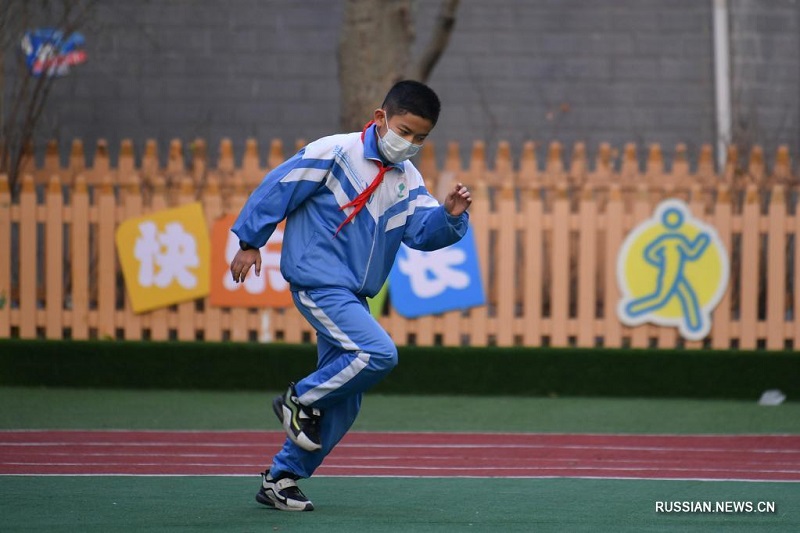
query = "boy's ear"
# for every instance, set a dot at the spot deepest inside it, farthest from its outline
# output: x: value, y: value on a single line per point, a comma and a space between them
x: 379, y: 116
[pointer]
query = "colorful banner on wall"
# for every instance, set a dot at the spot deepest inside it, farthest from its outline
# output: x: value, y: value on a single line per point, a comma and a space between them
x: 165, y: 257
x: 269, y: 289
x: 426, y: 283
x: 49, y: 52
x: 672, y: 271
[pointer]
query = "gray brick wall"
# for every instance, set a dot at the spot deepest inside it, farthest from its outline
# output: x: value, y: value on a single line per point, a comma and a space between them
x: 570, y: 70
x: 577, y: 70
x: 766, y: 72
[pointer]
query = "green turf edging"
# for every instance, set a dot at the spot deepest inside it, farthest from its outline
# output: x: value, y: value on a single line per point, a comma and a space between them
x: 422, y: 370
x: 597, y: 372
x: 156, y: 365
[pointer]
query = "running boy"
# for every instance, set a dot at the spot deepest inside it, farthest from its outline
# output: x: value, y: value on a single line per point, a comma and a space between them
x: 349, y: 201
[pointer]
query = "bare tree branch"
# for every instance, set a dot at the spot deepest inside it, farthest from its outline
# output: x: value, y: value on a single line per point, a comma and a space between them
x: 438, y: 42
x: 30, y: 96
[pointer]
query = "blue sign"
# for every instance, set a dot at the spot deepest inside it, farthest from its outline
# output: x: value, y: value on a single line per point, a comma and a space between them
x: 427, y: 283
x: 48, y: 51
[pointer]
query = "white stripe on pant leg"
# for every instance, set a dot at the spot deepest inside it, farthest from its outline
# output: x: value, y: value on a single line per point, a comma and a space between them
x: 346, y: 374
x: 338, y: 335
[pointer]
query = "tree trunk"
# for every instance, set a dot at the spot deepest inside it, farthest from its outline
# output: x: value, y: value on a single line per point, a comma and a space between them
x: 374, y: 50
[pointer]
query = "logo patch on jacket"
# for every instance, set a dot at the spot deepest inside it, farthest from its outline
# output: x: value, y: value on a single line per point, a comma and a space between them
x: 401, y: 188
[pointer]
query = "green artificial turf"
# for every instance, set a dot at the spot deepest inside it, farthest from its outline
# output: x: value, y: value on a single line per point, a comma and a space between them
x: 41, y: 408
x: 347, y: 505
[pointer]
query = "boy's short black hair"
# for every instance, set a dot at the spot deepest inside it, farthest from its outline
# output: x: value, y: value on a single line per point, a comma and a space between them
x: 410, y: 96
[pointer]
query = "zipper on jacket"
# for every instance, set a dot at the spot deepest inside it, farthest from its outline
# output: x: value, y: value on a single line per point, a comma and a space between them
x: 372, y: 248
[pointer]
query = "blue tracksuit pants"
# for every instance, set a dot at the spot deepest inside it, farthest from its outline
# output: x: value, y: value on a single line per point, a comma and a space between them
x: 353, y: 354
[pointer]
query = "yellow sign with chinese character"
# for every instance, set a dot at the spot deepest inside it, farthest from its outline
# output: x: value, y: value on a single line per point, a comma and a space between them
x: 165, y: 257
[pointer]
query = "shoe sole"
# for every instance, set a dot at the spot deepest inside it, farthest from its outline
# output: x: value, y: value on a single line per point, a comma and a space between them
x: 284, y: 414
x: 263, y: 498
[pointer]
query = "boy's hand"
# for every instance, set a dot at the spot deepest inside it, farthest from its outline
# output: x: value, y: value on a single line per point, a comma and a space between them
x: 242, y: 262
x: 458, y: 200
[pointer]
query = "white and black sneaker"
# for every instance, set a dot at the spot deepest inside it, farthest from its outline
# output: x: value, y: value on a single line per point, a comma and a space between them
x: 300, y: 422
x: 282, y: 493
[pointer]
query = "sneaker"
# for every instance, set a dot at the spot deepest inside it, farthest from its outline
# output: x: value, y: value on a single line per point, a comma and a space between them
x: 282, y: 493
x: 300, y: 422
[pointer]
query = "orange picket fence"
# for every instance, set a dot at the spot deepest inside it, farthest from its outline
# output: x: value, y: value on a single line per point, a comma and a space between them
x: 547, y: 236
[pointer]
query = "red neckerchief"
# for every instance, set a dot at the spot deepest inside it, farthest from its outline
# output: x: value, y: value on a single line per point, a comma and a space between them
x: 361, y: 200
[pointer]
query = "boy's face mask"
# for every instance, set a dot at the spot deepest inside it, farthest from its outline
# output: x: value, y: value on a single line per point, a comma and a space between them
x: 394, y: 148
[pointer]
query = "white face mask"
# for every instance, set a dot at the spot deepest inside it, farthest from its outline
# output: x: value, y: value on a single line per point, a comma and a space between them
x: 394, y: 148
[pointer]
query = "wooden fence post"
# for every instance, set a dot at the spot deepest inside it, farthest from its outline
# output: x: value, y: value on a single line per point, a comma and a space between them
x: 451, y: 321
x: 578, y: 169
x: 587, y: 267
x: 654, y: 168
x: 275, y: 156
x: 528, y: 166
x: 705, y: 166
x: 28, y: 245
x: 238, y: 316
x: 629, y: 173
x: 505, y: 269
x: 186, y: 310
x: 251, y: 165
x: 641, y: 212
x: 612, y: 328
x: 54, y: 260
x: 603, y: 167
x: 226, y: 163
x: 5, y: 257
x: 77, y: 160
x: 79, y: 258
x: 176, y: 162
x: 212, y: 315
x: 697, y: 208
x: 782, y: 172
x: 199, y: 158
x: 756, y: 168
x: 158, y: 319
x: 479, y: 336
x: 680, y: 169
x: 428, y: 168
x: 796, y: 281
x: 52, y: 162
x: 131, y: 205
x: 533, y: 235
x: 126, y: 170
x: 560, y: 267
x: 750, y: 253
x: 554, y: 166
x: 776, y: 270
x: 106, y: 261
x: 730, y: 172
x: 723, y: 222
x: 101, y: 166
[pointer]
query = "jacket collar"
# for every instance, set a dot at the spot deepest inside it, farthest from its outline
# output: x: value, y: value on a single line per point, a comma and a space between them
x: 370, y: 138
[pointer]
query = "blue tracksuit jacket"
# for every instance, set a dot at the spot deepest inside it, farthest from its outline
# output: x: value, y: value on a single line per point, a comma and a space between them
x: 309, y: 190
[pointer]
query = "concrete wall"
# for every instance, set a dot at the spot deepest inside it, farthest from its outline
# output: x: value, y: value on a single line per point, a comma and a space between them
x: 570, y: 70
x: 766, y: 72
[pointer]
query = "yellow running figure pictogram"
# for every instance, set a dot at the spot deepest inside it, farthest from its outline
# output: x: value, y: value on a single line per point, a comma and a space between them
x: 672, y: 271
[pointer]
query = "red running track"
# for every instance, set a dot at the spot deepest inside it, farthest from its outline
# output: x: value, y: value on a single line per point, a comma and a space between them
x: 234, y: 453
